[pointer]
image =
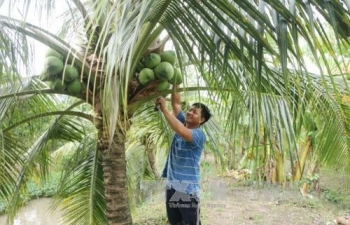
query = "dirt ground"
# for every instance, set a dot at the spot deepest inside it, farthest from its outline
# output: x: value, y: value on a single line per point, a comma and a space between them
x: 226, y: 201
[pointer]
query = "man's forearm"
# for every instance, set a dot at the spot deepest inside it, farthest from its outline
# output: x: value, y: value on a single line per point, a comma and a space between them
x: 175, y: 96
x: 177, y: 126
x: 175, y: 100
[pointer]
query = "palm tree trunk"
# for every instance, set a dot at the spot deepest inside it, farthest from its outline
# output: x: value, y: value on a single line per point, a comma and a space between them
x: 114, y: 175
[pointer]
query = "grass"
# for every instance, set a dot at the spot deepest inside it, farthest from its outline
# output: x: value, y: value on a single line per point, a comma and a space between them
x: 151, y: 212
x: 335, y: 187
x: 334, y: 199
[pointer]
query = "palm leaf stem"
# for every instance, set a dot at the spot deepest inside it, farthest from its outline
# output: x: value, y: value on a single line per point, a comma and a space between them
x: 41, y: 115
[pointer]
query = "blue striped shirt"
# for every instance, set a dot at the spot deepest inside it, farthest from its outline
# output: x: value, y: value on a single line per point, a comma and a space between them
x: 182, y: 165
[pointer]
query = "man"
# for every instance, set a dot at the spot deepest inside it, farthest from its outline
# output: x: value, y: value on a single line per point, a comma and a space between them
x: 182, y: 166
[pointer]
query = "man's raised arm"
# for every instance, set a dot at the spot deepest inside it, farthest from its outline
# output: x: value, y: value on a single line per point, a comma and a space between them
x: 175, y: 101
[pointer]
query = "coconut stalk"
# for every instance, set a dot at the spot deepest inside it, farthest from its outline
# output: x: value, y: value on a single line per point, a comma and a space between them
x: 300, y: 165
x: 312, y: 180
x: 313, y: 170
x: 280, y: 172
x: 273, y: 171
x: 244, y: 160
x: 253, y: 168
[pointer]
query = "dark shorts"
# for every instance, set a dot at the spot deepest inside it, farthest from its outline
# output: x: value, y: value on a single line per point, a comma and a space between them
x: 182, y: 208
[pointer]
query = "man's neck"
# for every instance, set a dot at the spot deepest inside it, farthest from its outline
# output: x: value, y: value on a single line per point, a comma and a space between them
x: 191, y: 126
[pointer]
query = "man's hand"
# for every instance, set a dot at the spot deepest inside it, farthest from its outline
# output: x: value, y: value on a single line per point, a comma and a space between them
x: 161, y: 103
x: 174, y: 123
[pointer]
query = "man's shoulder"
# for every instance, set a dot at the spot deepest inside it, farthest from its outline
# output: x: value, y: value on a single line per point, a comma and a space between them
x: 199, y: 131
x: 181, y: 116
x: 198, y: 137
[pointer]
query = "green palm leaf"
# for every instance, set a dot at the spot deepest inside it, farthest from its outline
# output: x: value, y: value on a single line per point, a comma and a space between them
x: 81, y: 191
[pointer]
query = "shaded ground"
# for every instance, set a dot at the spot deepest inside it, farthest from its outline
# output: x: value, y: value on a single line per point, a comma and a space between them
x: 226, y: 201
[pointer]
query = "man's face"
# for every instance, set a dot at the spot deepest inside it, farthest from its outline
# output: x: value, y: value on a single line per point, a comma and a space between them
x: 193, y: 116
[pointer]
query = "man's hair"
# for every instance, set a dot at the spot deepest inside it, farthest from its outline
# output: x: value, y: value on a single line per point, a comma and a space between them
x: 205, y: 111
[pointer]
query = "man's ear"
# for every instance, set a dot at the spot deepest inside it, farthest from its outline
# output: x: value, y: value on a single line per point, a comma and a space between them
x: 202, y: 120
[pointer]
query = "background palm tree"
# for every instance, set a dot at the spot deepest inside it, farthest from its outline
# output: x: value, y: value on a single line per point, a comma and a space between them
x: 247, y: 54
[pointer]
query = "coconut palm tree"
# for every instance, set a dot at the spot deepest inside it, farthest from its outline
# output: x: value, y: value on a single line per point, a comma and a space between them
x: 248, y: 56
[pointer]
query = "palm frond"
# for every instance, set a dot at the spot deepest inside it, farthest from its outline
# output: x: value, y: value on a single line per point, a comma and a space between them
x: 80, y: 194
x: 36, y: 157
x: 25, y: 158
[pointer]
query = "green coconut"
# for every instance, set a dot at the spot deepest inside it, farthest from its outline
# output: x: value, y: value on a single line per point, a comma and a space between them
x: 177, y: 78
x: 58, y: 85
x: 146, y: 75
x: 74, y: 87
x: 168, y: 56
x: 52, y: 52
x: 152, y: 60
x: 70, y: 73
x: 164, y: 71
x: 163, y: 85
x: 53, y: 65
